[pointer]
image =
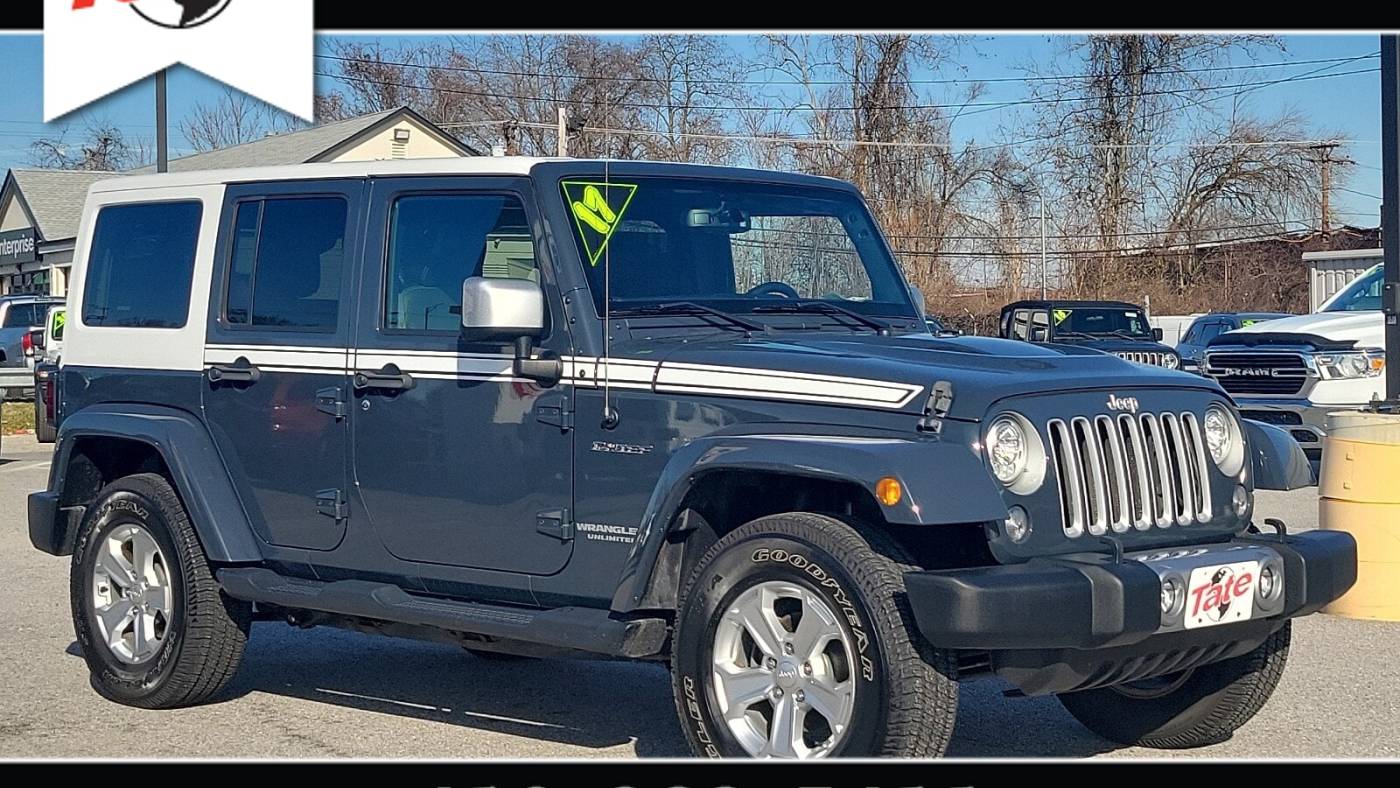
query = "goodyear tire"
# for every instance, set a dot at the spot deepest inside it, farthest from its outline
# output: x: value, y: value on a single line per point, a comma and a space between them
x: 1203, y: 706
x: 153, y: 626
x: 794, y: 639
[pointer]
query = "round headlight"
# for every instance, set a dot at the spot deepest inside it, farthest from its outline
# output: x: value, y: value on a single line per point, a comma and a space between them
x: 1218, y: 437
x: 1171, y: 361
x: 1223, y: 439
x: 1006, y: 449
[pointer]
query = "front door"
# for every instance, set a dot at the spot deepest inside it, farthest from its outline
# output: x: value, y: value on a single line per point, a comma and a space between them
x: 457, y: 462
x: 276, y: 357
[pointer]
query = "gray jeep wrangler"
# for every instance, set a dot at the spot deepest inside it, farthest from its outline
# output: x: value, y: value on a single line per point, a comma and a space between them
x: 645, y: 411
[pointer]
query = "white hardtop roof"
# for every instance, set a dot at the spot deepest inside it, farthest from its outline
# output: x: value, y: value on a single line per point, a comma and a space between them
x: 471, y: 165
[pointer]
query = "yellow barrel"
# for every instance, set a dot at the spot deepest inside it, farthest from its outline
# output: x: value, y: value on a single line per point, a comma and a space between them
x: 1360, y: 494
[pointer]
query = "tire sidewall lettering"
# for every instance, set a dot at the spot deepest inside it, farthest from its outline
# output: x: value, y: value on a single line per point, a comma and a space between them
x: 835, y: 591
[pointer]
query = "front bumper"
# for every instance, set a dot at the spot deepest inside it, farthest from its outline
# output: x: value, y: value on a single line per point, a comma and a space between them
x: 1305, y: 421
x: 1050, y: 623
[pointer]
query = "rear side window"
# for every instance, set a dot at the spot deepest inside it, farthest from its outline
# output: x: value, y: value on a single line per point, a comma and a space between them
x: 286, y: 263
x: 141, y: 264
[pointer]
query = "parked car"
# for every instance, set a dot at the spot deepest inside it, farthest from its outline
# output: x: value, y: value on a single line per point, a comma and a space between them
x: 1115, y: 327
x: 19, y: 316
x: 361, y: 395
x: 48, y: 354
x: 1207, y: 327
x: 939, y: 329
x: 1293, y: 371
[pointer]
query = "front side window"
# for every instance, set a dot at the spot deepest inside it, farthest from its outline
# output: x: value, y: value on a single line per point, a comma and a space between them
x: 1362, y: 295
x: 141, y: 265
x: 437, y: 241
x: 731, y: 245
x: 286, y: 264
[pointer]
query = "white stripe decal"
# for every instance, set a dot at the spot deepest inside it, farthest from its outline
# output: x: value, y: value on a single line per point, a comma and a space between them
x: 587, y: 371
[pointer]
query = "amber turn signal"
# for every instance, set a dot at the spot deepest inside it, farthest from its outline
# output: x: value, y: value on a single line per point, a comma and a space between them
x: 889, y: 491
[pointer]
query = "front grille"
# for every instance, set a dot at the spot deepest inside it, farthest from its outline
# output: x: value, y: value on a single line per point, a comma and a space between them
x: 1128, y: 472
x: 1258, y: 373
x: 1153, y: 359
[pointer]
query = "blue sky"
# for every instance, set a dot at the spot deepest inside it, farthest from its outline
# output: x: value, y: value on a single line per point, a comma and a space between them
x: 1347, y: 105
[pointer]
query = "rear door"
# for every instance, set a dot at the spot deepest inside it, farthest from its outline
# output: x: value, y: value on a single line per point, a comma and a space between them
x: 276, y: 387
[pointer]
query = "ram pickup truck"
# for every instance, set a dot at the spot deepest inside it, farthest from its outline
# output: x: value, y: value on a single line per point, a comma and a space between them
x: 1293, y: 371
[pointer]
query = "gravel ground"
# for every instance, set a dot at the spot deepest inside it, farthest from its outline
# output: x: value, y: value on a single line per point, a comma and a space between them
x: 329, y: 693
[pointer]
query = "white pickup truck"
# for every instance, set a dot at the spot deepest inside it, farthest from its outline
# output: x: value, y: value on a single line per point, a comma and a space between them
x: 1292, y: 372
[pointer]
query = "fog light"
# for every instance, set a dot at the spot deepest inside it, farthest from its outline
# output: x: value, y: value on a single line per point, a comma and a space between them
x: 1018, y: 524
x: 1268, y: 583
x: 1240, y: 500
x: 1171, y: 595
x: 889, y: 491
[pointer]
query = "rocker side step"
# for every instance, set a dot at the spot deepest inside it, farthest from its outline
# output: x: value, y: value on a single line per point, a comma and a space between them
x: 581, y: 628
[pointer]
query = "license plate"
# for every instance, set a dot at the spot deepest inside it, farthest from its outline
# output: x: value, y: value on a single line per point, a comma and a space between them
x: 1221, y: 594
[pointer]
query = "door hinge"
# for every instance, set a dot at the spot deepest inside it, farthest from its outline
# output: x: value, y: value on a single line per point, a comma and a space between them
x: 557, y: 411
x: 555, y: 523
x: 332, y: 401
x: 332, y: 503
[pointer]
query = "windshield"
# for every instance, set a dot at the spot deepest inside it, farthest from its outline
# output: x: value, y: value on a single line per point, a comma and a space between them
x: 1101, y: 321
x: 740, y: 247
x: 1362, y: 295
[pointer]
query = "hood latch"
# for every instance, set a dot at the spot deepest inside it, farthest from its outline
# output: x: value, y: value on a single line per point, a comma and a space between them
x: 940, y: 401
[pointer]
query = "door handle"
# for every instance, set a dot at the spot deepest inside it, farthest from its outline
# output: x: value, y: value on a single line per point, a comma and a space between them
x: 390, y: 378
x: 240, y: 371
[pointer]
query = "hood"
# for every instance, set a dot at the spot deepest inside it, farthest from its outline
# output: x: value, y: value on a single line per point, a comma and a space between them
x: 982, y: 370
x: 1366, y: 329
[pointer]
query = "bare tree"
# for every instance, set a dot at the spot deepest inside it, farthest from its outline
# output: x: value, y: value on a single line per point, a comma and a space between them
x: 233, y: 119
x: 100, y: 147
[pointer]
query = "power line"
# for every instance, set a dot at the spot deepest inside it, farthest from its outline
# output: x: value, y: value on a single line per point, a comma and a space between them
x: 798, y: 83
x: 803, y: 107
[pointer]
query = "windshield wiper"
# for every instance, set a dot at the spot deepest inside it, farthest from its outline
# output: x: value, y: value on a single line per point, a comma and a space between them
x: 825, y: 308
x: 1133, y: 337
x: 690, y: 308
x: 1059, y: 334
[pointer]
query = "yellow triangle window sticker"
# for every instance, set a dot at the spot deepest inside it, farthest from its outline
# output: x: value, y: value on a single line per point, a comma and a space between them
x: 1061, y: 315
x: 597, y: 209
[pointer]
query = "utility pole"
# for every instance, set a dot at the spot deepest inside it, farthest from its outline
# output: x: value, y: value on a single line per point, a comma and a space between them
x: 1324, y: 151
x: 162, y: 133
x: 1390, y: 210
x: 563, y: 132
x: 1043, y: 265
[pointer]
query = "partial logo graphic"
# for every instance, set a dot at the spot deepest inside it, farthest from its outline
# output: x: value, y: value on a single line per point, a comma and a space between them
x: 1130, y: 404
x: 93, y: 48
x: 174, y: 14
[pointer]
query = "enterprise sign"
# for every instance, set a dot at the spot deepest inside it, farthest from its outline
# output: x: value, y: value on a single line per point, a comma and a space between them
x: 17, y: 246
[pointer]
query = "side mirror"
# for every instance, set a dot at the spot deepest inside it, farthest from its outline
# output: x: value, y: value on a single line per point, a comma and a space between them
x: 920, y: 302
x: 510, y: 310
x: 1157, y: 334
x: 1040, y: 334
x: 37, y: 339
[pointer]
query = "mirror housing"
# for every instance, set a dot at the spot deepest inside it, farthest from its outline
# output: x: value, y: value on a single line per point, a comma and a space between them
x: 1157, y: 334
x: 510, y: 310
x: 1040, y: 334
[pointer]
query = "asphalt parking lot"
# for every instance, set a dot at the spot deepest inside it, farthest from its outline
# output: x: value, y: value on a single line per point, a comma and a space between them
x: 328, y: 693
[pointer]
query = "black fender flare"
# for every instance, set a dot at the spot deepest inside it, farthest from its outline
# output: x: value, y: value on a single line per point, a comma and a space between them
x: 943, y: 483
x: 1278, y: 462
x: 196, y: 469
